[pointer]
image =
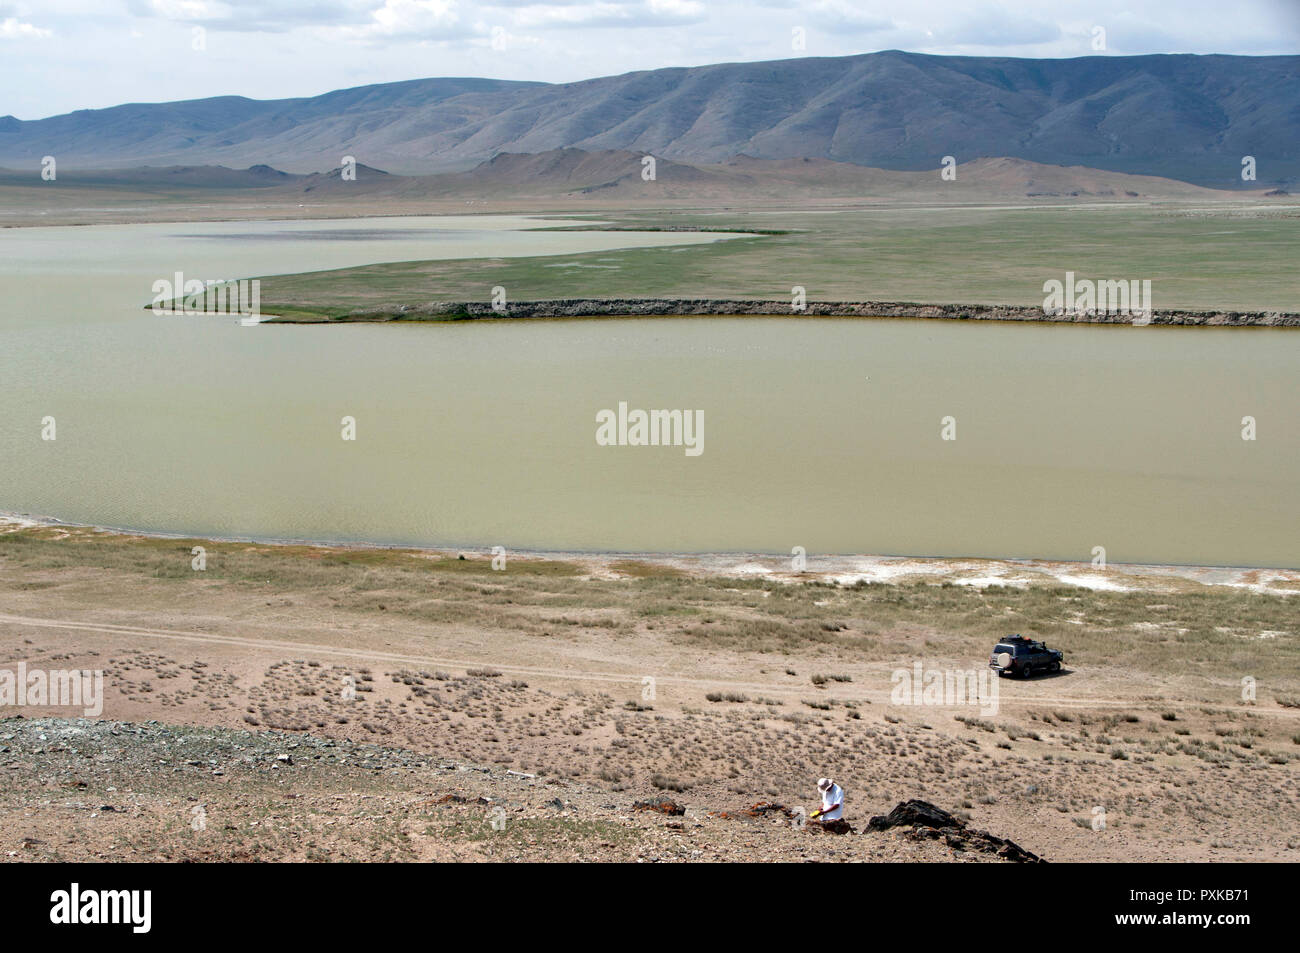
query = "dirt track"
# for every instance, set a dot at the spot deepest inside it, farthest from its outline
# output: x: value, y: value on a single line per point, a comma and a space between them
x: 287, y: 650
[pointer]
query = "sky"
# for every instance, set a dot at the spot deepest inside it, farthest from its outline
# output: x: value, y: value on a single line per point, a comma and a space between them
x: 61, y: 55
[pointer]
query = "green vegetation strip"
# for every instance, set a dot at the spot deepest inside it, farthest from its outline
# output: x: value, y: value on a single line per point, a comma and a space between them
x: 1231, y: 260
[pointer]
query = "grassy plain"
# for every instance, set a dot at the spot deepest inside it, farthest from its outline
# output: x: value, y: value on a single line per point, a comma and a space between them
x: 1197, y: 258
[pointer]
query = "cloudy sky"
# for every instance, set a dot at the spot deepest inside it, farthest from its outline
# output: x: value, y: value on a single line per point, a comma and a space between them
x: 60, y: 55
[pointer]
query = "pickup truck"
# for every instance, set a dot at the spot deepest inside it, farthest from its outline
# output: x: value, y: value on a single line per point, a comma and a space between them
x: 1020, y: 656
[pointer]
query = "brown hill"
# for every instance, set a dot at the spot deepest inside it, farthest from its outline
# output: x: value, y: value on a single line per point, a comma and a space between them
x: 622, y: 176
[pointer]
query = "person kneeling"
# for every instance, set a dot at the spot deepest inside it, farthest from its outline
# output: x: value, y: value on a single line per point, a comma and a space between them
x: 831, y: 816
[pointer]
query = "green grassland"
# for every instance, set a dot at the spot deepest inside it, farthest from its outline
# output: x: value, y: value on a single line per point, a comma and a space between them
x: 1234, y: 258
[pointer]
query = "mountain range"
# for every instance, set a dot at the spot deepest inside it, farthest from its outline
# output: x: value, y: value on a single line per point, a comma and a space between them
x: 1184, y: 117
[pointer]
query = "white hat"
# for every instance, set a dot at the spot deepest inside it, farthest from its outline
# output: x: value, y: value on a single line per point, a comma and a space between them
x: 824, y: 784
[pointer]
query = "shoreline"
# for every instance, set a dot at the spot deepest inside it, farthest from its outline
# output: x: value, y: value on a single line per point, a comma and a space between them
x: 686, y: 307
x: 830, y: 569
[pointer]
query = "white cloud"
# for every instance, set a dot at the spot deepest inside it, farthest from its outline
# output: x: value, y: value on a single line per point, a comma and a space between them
x: 683, y: 10
x: 267, y: 16
x: 410, y: 18
x: 538, y: 15
x: 188, y: 9
x: 11, y: 28
x: 604, y: 13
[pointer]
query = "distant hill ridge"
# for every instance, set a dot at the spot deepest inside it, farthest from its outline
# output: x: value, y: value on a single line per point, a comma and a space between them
x: 618, y: 175
x: 1178, y: 116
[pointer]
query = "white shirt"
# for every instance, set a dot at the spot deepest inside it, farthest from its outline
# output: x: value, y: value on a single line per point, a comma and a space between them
x: 833, y: 795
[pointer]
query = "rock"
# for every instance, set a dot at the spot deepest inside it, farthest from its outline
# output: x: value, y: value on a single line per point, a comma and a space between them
x: 760, y: 809
x: 839, y: 826
x: 931, y: 823
x: 660, y: 805
x: 1014, y: 852
x: 914, y: 813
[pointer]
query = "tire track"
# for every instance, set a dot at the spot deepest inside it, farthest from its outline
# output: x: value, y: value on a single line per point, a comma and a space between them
x: 630, y: 679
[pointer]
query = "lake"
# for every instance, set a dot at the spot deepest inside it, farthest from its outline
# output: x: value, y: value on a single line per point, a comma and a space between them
x: 820, y: 433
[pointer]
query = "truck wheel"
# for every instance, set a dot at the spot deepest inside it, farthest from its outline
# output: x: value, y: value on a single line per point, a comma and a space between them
x: 1027, y: 672
x: 1056, y: 666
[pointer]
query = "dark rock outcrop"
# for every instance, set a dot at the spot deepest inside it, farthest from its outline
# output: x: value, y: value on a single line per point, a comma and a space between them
x: 924, y: 821
x: 914, y: 813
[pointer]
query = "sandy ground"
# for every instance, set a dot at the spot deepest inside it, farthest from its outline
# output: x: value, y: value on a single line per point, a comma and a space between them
x: 582, y: 683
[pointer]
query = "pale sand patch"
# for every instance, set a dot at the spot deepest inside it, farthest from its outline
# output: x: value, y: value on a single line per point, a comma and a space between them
x: 1262, y: 581
x: 983, y: 582
x: 1158, y: 627
x: 1093, y: 582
